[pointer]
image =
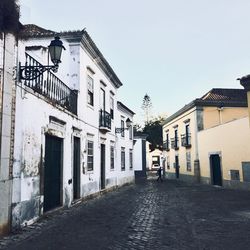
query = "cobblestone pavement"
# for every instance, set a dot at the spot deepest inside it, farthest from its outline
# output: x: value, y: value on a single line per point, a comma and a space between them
x: 146, y: 215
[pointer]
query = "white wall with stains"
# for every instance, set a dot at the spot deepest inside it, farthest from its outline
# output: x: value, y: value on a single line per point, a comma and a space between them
x: 36, y: 117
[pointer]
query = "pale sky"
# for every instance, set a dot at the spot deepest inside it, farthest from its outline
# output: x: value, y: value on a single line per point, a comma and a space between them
x: 173, y: 50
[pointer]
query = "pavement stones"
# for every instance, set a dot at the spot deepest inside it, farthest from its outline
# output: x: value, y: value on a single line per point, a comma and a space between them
x: 145, y: 215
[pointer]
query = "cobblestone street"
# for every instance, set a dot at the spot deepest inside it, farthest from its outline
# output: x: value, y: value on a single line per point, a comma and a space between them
x: 146, y: 215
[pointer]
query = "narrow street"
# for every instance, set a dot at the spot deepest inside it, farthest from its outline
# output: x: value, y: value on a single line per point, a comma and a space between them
x: 146, y: 215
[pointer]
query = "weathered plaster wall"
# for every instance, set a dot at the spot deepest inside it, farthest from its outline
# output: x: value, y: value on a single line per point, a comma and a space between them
x: 33, y: 123
x: 138, y: 155
x: 7, y: 89
x: 214, y: 116
x: 231, y: 141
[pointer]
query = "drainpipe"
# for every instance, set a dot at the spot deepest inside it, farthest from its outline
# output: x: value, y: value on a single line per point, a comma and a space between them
x: 4, y: 44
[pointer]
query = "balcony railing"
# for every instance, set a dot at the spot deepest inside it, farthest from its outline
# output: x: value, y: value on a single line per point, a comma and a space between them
x: 52, y: 88
x: 104, y: 120
x: 166, y: 145
x: 186, y: 140
x: 175, y: 143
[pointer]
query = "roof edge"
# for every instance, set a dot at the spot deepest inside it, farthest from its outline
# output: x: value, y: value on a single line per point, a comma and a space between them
x: 122, y: 106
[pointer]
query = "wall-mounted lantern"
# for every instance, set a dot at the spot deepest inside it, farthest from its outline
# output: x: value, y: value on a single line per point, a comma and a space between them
x: 31, y: 72
x: 121, y: 130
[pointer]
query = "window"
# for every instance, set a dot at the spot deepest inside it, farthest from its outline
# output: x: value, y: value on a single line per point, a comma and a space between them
x: 131, y: 132
x: 112, y: 157
x: 90, y: 91
x: 90, y: 157
x: 188, y: 159
x: 122, y: 127
x: 187, y: 129
x: 122, y: 159
x: 131, y: 159
x: 176, y: 138
x: 187, y: 134
x: 111, y: 107
x: 167, y: 141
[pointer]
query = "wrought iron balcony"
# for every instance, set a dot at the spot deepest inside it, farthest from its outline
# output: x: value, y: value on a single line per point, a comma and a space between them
x: 186, y: 140
x: 166, y: 145
x: 51, y: 87
x: 104, y: 121
x: 175, y: 143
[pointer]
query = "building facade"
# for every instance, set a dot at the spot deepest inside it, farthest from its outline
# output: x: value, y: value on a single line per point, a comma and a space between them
x: 140, y: 152
x: 66, y: 145
x: 8, y: 56
x: 191, y: 140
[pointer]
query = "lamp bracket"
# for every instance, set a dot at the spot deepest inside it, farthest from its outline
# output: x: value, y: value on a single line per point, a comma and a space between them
x: 33, y: 72
x: 120, y: 130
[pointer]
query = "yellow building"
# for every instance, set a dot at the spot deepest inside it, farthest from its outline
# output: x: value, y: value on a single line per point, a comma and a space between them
x: 245, y: 82
x: 201, y: 141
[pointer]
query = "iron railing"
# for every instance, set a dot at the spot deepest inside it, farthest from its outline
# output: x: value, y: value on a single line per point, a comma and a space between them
x: 51, y: 87
x: 104, y: 119
x: 175, y: 143
x: 186, y: 140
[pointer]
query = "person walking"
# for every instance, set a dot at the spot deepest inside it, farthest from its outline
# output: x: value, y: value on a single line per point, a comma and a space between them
x: 159, y: 174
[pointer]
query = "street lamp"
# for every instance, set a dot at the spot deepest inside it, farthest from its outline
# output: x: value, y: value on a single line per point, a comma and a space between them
x: 31, y: 72
x: 121, y: 130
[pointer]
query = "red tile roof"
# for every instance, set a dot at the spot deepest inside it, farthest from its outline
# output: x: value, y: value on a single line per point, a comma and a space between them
x: 226, y: 95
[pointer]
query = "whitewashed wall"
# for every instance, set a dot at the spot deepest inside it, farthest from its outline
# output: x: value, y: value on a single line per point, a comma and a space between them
x: 32, y: 123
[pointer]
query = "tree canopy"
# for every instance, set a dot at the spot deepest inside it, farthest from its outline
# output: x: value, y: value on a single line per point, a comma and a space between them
x: 153, y: 129
x: 9, y: 16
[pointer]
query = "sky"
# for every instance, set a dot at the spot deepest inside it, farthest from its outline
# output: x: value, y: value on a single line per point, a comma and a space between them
x: 173, y: 50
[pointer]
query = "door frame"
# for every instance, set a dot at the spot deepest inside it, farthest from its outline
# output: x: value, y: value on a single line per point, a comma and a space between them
x: 74, y: 136
x: 57, y: 131
x: 177, y: 168
x: 42, y: 177
x: 211, y: 167
x: 102, y: 166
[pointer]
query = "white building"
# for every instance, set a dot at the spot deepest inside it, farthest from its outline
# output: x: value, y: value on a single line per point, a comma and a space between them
x: 140, y: 159
x: 66, y: 145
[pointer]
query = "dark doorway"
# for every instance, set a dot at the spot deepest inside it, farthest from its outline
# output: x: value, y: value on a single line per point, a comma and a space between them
x: 215, y: 170
x: 52, y: 172
x: 177, y: 166
x: 76, y: 168
x: 103, y: 166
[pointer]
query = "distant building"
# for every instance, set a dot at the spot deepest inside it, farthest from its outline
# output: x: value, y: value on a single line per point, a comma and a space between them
x: 154, y: 158
x: 202, y: 141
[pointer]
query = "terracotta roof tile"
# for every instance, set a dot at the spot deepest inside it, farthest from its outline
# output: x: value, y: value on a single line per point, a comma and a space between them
x: 32, y: 30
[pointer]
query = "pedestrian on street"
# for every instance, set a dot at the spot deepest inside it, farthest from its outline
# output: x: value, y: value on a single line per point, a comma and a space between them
x: 159, y: 174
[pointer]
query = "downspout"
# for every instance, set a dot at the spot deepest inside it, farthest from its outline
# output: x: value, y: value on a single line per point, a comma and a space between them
x: 1, y: 125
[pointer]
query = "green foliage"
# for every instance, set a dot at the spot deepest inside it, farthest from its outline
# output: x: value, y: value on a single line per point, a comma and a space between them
x: 9, y: 16
x: 153, y: 130
x: 137, y: 129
